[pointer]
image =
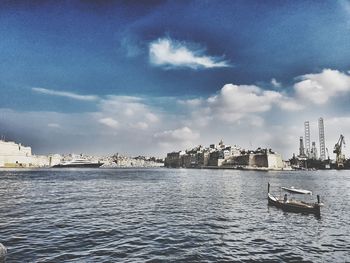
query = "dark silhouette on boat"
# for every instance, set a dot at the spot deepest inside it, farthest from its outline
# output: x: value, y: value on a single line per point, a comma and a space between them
x: 292, y: 205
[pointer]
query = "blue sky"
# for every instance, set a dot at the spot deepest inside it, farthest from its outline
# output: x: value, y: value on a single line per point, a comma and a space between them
x: 136, y: 77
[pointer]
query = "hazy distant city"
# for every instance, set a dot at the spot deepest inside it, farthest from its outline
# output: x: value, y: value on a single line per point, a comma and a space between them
x: 214, y: 156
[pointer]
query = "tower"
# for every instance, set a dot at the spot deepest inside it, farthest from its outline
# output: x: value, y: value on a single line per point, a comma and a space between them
x: 307, y: 138
x: 301, y: 147
x: 322, y: 139
x: 313, y: 153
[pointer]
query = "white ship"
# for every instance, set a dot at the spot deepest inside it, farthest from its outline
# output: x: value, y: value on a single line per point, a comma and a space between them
x: 78, y: 163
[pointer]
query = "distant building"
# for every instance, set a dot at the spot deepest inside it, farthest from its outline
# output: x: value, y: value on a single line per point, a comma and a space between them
x: 203, y: 158
x: 174, y: 159
x: 189, y: 160
x: 225, y: 156
x: 214, y: 158
x: 258, y: 159
x: 16, y: 155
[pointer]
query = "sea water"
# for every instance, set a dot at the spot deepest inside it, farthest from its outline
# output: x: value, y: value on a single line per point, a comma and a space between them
x: 169, y: 215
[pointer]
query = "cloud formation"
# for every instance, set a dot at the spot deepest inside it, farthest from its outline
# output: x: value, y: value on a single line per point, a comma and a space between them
x: 247, y: 115
x: 128, y: 112
x: 320, y: 87
x: 180, y: 134
x: 289, y: 104
x: 53, y: 125
x: 66, y: 94
x: 234, y: 103
x: 177, y: 138
x: 168, y: 53
x: 112, y: 123
x: 275, y: 83
x: 243, y: 98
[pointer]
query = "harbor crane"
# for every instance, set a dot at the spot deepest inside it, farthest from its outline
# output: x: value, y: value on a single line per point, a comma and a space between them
x: 340, y: 157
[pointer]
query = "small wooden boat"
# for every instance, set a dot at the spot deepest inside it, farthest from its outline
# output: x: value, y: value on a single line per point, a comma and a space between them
x: 297, y: 191
x: 292, y: 205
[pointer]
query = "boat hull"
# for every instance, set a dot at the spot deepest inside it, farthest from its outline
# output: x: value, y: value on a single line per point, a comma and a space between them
x: 85, y: 165
x: 296, y: 207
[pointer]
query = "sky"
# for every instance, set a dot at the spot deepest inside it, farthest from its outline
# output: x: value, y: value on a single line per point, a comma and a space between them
x: 151, y: 77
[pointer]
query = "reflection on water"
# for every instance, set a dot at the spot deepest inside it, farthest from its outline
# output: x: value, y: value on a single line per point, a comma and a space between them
x: 133, y: 215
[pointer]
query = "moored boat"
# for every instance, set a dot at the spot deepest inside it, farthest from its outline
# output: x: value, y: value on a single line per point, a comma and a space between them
x: 293, y: 205
x: 78, y: 163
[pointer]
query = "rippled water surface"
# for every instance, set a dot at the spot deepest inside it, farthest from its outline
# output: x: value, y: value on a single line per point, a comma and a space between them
x: 165, y: 215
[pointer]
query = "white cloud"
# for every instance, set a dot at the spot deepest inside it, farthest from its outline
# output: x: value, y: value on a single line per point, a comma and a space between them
x: 151, y: 117
x: 140, y: 125
x: 289, y: 104
x: 170, y: 53
x: 234, y: 103
x: 191, y: 102
x: 177, y: 135
x: 243, y: 99
x: 112, y: 123
x: 54, y: 125
x: 246, y: 115
x: 129, y: 111
x: 66, y: 94
x: 275, y: 83
x: 320, y: 87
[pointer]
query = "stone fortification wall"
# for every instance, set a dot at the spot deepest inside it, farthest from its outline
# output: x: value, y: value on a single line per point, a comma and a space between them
x: 173, y: 160
x: 14, y: 149
x: 13, y: 154
x: 271, y: 161
x: 259, y: 160
x: 44, y: 160
x: 275, y: 161
x: 17, y: 155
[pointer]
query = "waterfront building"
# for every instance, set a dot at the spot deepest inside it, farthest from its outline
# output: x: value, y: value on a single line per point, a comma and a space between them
x: 118, y: 160
x: 225, y: 156
x: 16, y: 155
x: 258, y: 159
x: 215, y: 158
x: 174, y: 159
x: 203, y: 158
x: 189, y: 160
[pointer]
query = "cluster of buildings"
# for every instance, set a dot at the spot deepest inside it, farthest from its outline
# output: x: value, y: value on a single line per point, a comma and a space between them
x: 16, y: 155
x: 121, y: 161
x: 226, y: 156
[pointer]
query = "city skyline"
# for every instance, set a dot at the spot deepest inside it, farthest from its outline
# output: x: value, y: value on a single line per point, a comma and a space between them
x: 150, y: 78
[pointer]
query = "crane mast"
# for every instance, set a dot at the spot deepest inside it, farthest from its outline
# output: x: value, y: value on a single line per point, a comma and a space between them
x: 340, y: 158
